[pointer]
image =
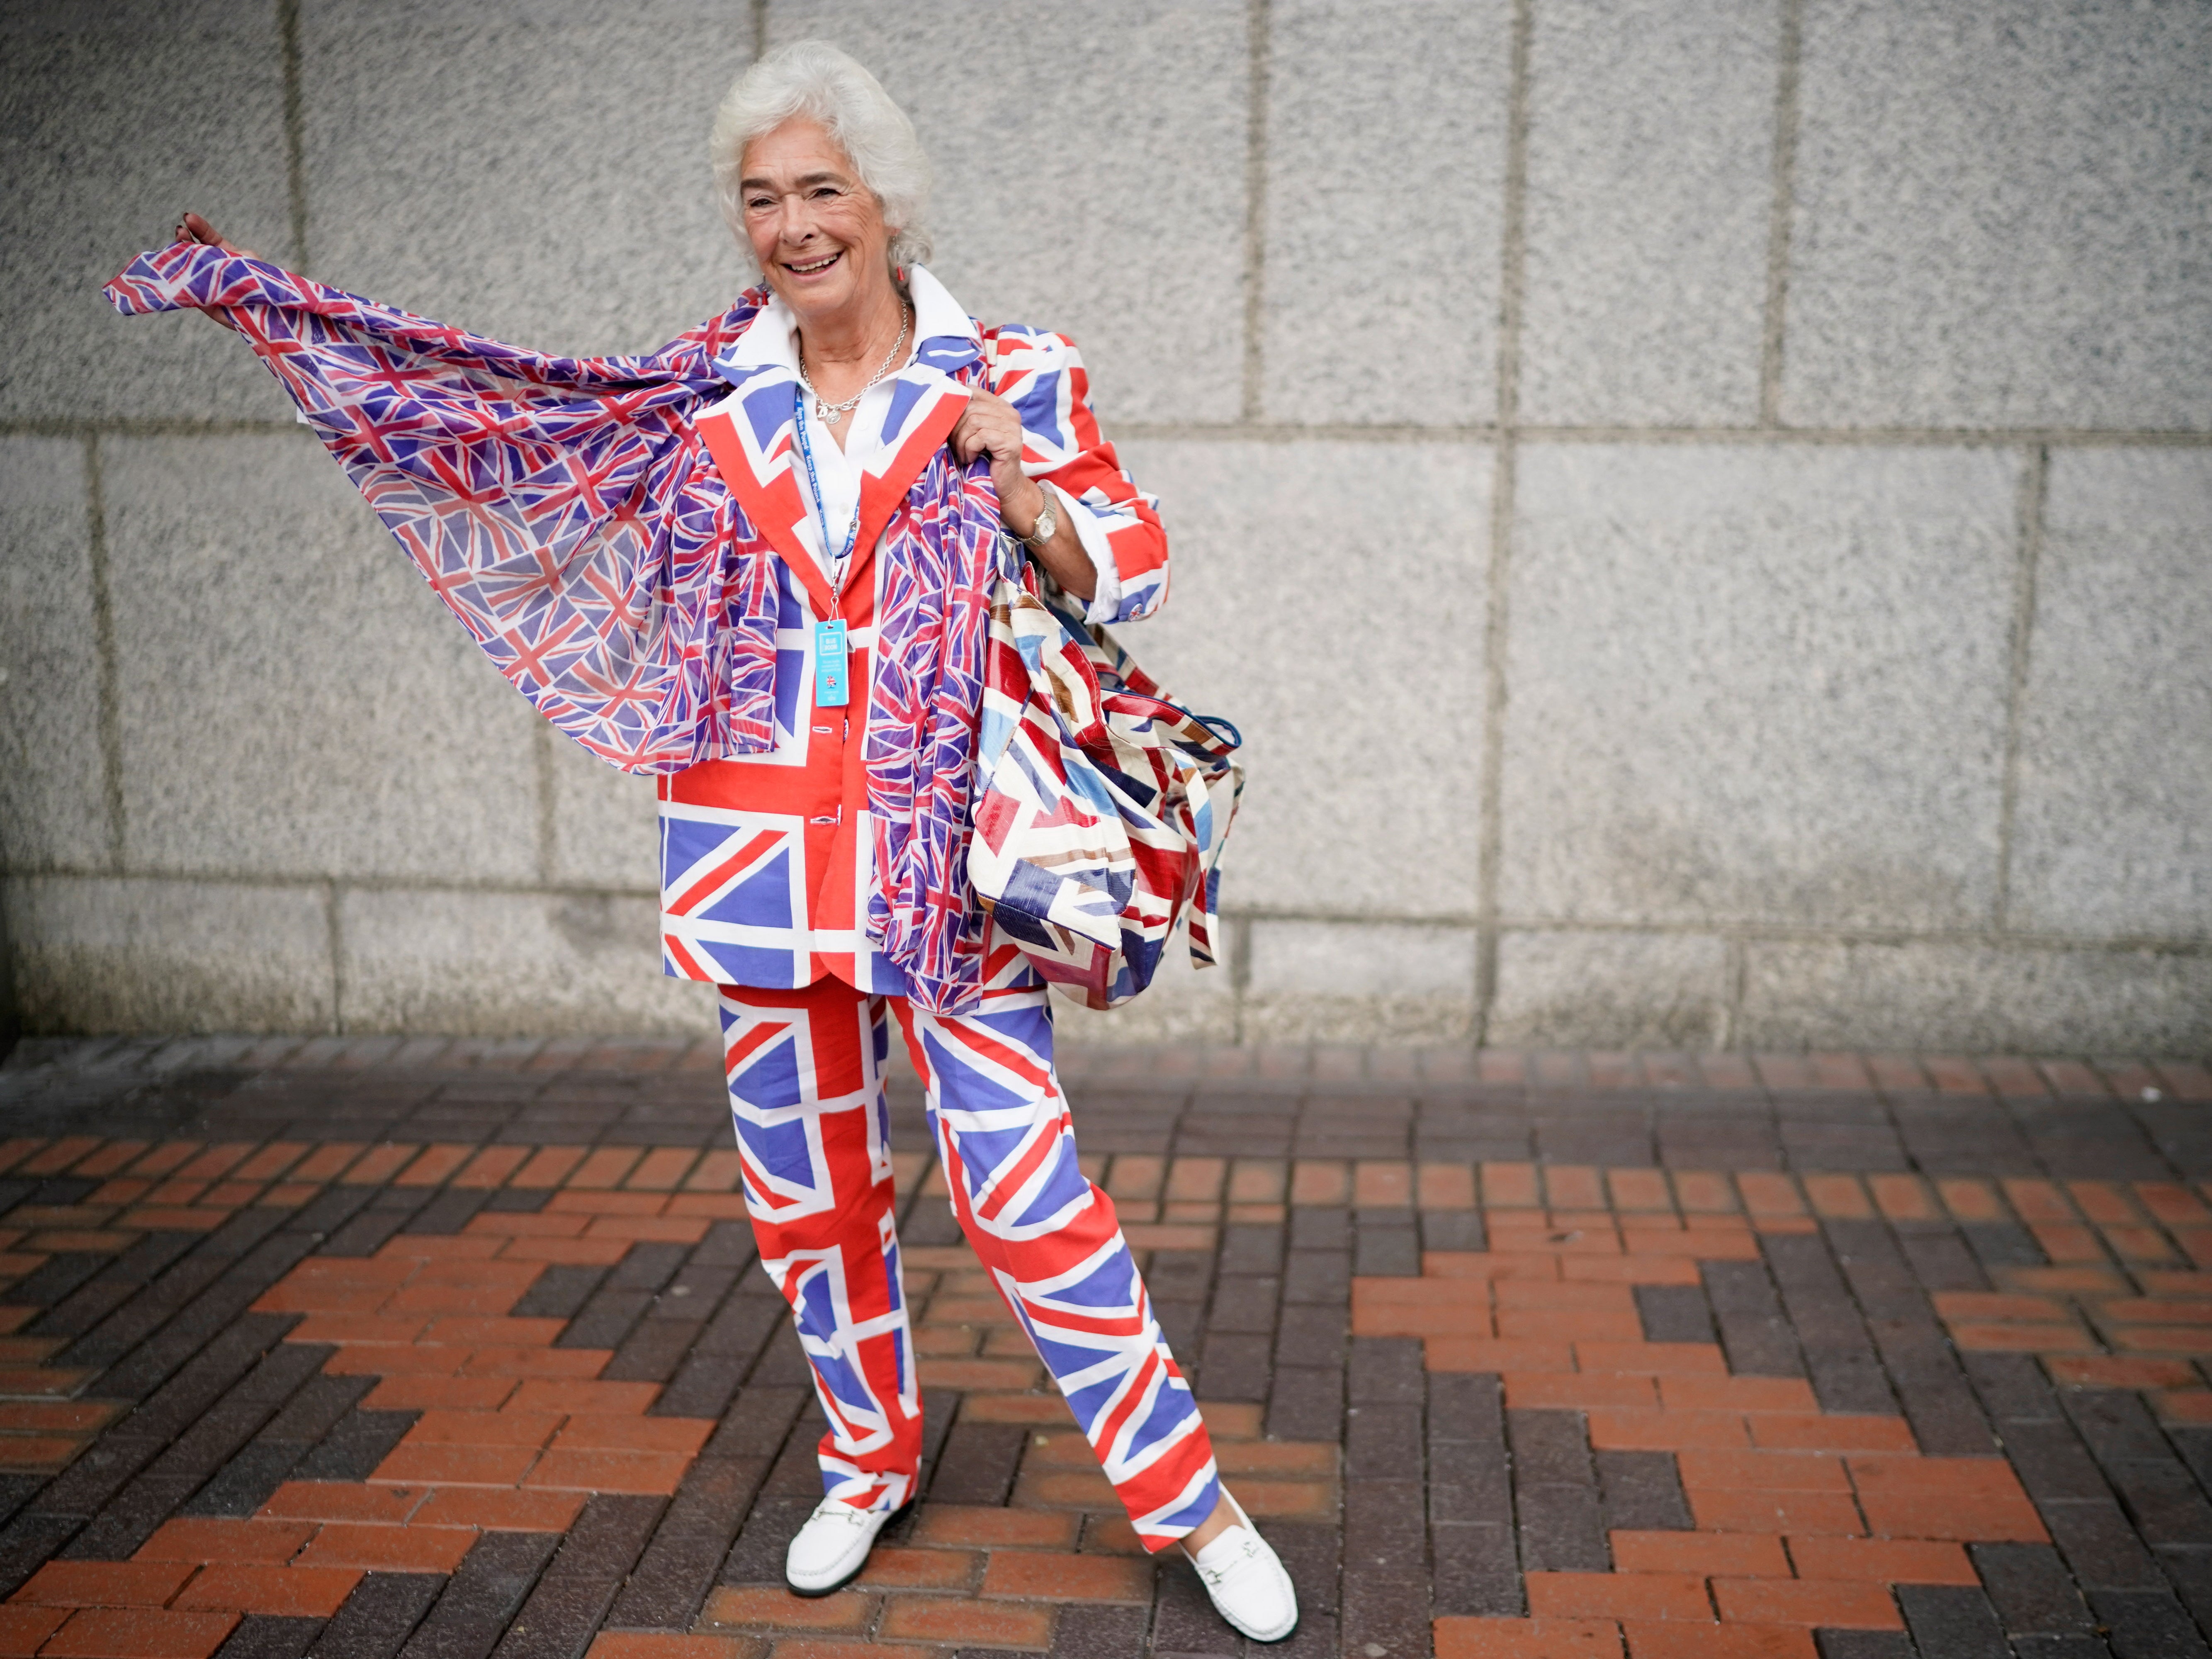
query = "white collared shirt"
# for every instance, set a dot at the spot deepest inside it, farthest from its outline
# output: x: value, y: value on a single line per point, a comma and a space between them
x: 772, y: 338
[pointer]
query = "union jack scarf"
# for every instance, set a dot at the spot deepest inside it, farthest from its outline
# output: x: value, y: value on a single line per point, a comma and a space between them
x: 567, y: 511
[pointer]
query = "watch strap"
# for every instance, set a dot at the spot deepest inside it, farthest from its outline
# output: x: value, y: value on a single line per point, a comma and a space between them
x: 1048, y: 520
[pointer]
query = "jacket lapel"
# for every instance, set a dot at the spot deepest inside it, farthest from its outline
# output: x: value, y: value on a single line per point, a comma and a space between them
x: 925, y: 405
x: 752, y: 434
x: 928, y: 397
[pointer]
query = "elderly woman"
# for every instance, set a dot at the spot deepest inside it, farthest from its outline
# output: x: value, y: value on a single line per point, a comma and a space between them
x: 750, y: 564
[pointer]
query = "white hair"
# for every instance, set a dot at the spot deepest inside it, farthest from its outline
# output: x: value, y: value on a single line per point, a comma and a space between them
x: 814, y: 80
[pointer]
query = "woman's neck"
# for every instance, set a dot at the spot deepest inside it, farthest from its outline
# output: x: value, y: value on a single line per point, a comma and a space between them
x: 843, y: 350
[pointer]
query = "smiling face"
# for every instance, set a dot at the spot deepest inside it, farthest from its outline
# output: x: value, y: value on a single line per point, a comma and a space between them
x: 817, y: 230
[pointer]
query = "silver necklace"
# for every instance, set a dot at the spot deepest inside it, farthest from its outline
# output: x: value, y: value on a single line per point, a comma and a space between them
x: 829, y: 413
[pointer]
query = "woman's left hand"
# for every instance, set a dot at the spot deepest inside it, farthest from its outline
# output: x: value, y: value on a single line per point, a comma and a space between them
x: 989, y: 425
x: 193, y: 229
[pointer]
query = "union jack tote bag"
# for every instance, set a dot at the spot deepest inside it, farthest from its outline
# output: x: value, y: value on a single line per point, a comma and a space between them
x: 1101, y: 804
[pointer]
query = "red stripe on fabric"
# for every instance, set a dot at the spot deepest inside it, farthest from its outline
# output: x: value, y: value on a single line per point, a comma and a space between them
x: 1006, y: 1183
x: 1012, y: 1058
x: 902, y: 1010
x: 1092, y: 1324
x: 1080, y: 419
x: 1138, y: 550
x: 882, y: 493
x: 719, y: 430
x: 750, y: 1044
x: 1126, y: 1408
x: 1174, y: 1465
x: 1154, y: 1539
x: 684, y: 959
x: 721, y: 872
x: 756, y: 1179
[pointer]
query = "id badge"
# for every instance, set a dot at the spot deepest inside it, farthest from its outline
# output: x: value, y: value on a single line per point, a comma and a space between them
x: 832, y: 690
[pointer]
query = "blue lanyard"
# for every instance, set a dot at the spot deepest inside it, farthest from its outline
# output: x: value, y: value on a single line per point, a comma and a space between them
x: 837, y: 572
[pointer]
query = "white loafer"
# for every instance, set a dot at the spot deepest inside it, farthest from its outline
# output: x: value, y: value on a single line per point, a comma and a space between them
x: 1248, y: 1583
x: 828, y: 1552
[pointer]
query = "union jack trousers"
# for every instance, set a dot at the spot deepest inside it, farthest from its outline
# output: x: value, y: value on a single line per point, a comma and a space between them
x: 805, y: 1077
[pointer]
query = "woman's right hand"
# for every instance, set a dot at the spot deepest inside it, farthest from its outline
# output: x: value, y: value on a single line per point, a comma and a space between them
x: 193, y: 229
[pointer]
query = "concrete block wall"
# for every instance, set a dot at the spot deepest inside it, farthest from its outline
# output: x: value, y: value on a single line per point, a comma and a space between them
x: 1702, y: 511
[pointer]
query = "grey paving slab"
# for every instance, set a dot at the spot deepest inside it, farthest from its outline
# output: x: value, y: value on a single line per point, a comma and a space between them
x: 1650, y: 149
x: 122, y: 115
x: 2115, y: 793
x: 534, y: 171
x: 293, y: 700
x: 53, y: 806
x: 1997, y: 217
x: 1385, y: 207
x: 1091, y: 181
x: 1356, y: 712
x: 1757, y: 684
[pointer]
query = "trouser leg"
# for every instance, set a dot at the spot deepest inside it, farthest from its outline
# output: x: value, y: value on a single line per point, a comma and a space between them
x: 1051, y: 1241
x: 805, y: 1077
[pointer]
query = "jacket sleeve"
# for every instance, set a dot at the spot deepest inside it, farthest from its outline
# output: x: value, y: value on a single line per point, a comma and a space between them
x: 1041, y: 375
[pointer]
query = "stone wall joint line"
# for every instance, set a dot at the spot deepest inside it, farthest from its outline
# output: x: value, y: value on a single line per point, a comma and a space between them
x: 295, y: 133
x: 1513, y: 261
x: 1280, y: 432
x: 2034, y: 492
x: 1259, y: 39
x: 1780, y: 207
x: 541, y: 757
x: 1734, y: 968
x: 103, y: 629
x: 334, y: 927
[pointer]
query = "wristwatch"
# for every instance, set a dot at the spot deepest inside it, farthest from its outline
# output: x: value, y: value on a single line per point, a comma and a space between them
x: 1048, y: 521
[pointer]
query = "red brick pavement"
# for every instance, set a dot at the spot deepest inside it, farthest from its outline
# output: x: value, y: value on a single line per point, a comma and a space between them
x: 457, y: 1349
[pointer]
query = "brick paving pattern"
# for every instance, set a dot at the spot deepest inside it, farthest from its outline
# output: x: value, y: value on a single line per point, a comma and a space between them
x: 372, y: 1347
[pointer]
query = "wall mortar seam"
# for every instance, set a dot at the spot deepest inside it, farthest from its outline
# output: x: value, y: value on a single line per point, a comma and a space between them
x: 1284, y: 432
x: 2034, y: 493
x: 1512, y: 262
x: 1716, y: 436
x: 318, y: 880
x: 1780, y: 206
x: 334, y: 927
x: 1751, y: 437
x: 103, y: 633
x: 295, y: 131
x: 1748, y: 932
x: 541, y: 759
x: 1240, y: 973
x: 1735, y: 966
x: 1259, y: 25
